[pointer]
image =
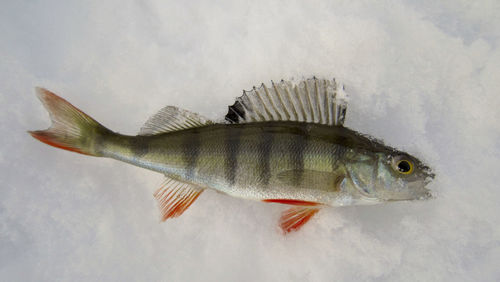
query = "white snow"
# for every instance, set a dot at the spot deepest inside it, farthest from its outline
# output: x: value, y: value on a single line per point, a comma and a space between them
x: 424, y: 77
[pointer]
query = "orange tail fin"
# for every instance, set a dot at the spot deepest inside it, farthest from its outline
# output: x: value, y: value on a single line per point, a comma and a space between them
x: 71, y: 128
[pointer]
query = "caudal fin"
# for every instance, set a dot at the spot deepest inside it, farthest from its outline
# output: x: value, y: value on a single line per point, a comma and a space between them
x: 71, y: 128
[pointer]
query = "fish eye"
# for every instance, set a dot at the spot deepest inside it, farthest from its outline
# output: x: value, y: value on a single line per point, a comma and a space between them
x: 404, y: 166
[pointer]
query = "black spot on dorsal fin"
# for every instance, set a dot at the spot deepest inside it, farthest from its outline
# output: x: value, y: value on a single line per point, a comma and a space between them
x: 235, y: 113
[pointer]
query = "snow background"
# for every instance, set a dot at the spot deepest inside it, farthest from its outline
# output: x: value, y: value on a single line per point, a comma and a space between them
x: 423, y: 77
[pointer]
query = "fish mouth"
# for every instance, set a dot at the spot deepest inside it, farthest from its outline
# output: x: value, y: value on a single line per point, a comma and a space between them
x: 426, y: 195
x: 428, y: 180
x: 421, y: 192
x: 429, y: 176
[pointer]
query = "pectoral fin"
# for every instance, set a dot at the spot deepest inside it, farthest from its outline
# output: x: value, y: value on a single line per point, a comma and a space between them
x: 318, y: 180
x: 294, y: 218
x: 174, y: 197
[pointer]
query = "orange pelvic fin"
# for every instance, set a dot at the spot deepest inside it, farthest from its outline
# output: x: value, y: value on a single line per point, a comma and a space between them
x: 175, y: 197
x: 291, y: 202
x: 294, y: 218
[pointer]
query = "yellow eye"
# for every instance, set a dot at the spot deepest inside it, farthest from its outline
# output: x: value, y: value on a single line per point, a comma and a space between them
x: 404, y: 166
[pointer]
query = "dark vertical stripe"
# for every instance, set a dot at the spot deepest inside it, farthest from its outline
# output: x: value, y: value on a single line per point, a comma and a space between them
x: 336, y: 155
x: 138, y: 145
x: 232, y: 141
x: 191, y: 151
x: 264, y: 156
x: 297, y: 148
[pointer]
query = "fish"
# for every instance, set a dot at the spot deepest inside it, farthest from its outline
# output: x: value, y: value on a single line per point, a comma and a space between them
x: 284, y: 144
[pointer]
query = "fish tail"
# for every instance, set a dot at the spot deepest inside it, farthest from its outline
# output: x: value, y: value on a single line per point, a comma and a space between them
x: 71, y: 129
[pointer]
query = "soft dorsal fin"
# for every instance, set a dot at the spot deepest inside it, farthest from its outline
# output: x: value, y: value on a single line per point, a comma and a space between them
x: 174, y: 197
x: 311, y: 100
x: 170, y: 119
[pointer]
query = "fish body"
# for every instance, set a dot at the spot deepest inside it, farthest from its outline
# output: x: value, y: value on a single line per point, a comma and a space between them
x: 287, y: 146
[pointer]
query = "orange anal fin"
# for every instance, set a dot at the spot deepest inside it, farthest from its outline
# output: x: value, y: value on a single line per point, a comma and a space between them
x: 294, y: 218
x: 175, y: 197
x: 291, y: 202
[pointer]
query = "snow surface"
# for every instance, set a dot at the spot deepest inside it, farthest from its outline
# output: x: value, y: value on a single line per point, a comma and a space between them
x: 423, y: 77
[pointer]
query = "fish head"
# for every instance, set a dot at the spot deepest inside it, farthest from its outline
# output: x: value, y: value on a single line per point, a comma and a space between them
x: 390, y: 176
x: 401, y: 176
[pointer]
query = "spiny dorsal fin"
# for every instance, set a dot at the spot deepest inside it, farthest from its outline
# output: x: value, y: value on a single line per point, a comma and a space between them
x: 170, y: 119
x: 174, y: 197
x: 312, y: 100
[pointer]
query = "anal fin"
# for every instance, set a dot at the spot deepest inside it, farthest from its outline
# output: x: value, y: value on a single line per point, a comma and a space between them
x: 294, y: 218
x: 174, y: 197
